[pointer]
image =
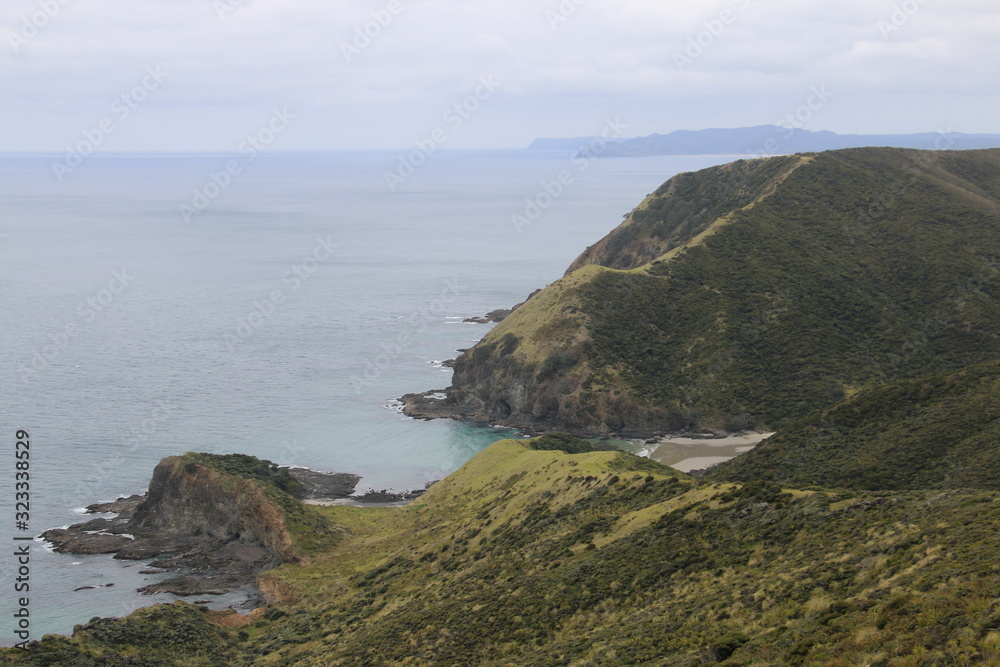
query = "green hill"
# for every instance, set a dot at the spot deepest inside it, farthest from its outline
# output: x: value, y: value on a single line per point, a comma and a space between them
x: 932, y: 433
x: 530, y: 555
x: 754, y: 293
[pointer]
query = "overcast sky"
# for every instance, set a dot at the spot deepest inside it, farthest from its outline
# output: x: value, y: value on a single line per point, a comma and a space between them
x: 203, y: 74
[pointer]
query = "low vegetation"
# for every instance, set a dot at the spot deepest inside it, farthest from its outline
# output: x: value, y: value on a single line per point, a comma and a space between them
x: 528, y: 557
x: 941, y: 432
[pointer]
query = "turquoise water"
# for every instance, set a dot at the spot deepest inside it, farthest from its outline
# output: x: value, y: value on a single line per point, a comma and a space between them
x: 280, y: 321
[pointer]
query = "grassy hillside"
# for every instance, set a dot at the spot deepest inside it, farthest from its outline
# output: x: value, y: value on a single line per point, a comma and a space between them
x: 529, y: 555
x: 932, y: 433
x: 753, y: 294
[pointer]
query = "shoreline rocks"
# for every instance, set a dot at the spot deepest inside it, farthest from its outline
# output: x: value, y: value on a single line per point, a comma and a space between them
x: 324, y: 485
x: 214, y: 538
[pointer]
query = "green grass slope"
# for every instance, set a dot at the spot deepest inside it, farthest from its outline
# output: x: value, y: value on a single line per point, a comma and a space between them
x: 932, y: 433
x: 530, y: 555
x: 818, y: 276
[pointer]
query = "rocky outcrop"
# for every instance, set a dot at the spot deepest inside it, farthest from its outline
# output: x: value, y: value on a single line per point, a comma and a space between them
x: 186, y: 499
x: 493, y: 316
x: 221, y: 528
x: 325, y: 485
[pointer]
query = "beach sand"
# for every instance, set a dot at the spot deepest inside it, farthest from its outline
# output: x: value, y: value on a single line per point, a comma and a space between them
x: 687, y: 454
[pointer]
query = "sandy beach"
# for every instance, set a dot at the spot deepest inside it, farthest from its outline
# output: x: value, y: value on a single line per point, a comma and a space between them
x: 687, y: 454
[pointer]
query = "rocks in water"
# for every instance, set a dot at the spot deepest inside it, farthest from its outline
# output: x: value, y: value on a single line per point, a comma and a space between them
x: 73, y: 541
x: 498, y: 315
x: 325, y: 485
x: 91, y: 588
x: 115, y: 526
x: 186, y: 586
x: 428, y: 405
x: 122, y: 506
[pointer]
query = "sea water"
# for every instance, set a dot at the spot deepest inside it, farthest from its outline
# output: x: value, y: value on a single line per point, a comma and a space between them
x: 150, y: 306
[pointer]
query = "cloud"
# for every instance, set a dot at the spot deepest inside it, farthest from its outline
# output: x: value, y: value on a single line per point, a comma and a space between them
x: 563, y: 64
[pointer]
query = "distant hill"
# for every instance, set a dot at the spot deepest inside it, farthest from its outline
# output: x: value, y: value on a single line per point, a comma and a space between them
x: 571, y: 144
x: 770, y: 140
x: 931, y: 433
x: 753, y: 293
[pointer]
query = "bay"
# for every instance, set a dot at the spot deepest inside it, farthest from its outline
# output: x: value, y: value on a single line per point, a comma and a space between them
x: 279, y: 320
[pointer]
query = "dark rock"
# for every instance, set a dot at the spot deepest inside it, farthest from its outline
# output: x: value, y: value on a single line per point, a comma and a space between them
x: 68, y: 541
x: 426, y: 406
x: 151, y: 547
x: 153, y: 571
x: 185, y: 586
x: 325, y: 485
x: 498, y: 315
x: 449, y: 363
x: 116, y: 526
x: 120, y: 506
x: 84, y: 588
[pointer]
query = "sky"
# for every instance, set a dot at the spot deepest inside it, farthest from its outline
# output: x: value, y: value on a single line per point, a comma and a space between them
x: 204, y: 75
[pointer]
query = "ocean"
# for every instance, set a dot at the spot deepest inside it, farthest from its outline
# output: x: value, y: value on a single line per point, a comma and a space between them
x: 158, y: 304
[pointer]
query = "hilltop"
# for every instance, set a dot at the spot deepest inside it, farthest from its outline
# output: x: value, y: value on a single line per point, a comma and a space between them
x: 752, y: 294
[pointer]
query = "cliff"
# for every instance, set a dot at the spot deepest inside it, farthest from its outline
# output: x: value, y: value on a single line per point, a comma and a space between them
x: 189, y: 499
x: 221, y: 519
x: 751, y: 294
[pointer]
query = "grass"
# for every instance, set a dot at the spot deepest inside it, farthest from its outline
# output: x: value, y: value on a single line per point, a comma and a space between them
x: 542, y: 557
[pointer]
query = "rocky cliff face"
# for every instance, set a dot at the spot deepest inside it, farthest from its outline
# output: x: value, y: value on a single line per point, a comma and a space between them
x: 224, y: 518
x: 752, y: 294
x: 188, y: 499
